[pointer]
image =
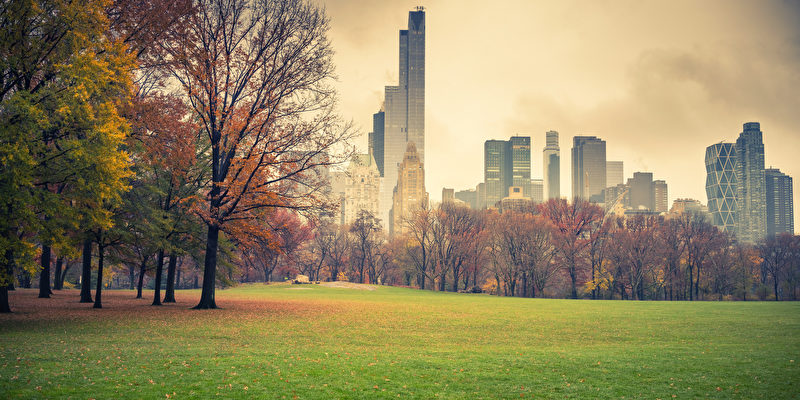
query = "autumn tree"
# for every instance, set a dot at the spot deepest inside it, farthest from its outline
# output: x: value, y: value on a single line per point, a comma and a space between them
x: 366, y: 231
x: 777, y: 253
x: 572, y: 222
x: 257, y: 75
x: 419, y: 247
x: 63, y: 83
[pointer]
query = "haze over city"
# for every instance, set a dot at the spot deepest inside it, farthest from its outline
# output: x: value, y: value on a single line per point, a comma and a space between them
x: 658, y: 81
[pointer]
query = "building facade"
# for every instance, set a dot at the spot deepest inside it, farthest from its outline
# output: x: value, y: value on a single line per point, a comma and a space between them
x: 551, y: 166
x: 404, y: 106
x: 721, y: 185
x: 409, y: 194
x: 660, y: 196
x: 537, y: 190
x: 588, y: 166
x: 362, y: 187
x: 751, y: 193
x: 615, y: 173
x: 469, y: 197
x: 641, y: 195
x: 780, y: 207
x: 496, y: 163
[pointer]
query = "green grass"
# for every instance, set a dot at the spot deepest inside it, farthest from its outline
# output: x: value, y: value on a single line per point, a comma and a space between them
x: 278, y: 342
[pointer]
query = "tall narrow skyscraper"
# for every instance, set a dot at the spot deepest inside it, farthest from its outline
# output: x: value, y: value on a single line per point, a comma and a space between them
x: 751, y: 193
x: 661, y: 196
x: 409, y: 194
x: 376, y: 142
x: 521, y: 163
x: 551, y: 166
x: 721, y: 185
x: 588, y: 166
x: 404, y: 119
x: 780, y: 207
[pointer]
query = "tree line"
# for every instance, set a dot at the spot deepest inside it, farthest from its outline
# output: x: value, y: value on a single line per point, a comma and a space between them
x: 145, y: 135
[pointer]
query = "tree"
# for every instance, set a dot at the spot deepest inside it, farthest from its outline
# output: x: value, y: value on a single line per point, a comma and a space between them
x: 777, y: 253
x: 419, y: 245
x: 701, y: 238
x: 257, y: 76
x: 366, y: 231
x: 63, y: 83
x: 673, y: 247
x: 571, y: 221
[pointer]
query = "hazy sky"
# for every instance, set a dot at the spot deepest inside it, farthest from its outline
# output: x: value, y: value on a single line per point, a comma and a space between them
x: 658, y: 80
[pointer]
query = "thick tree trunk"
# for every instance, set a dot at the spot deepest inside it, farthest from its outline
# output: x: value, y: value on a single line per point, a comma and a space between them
x: 86, y: 273
x: 207, y: 300
x: 573, y: 279
x: 169, y: 295
x: 44, y: 277
x: 98, y: 292
x: 58, y: 281
x: 139, y: 284
x: 691, y: 283
x: 159, y: 270
x: 178, y: 278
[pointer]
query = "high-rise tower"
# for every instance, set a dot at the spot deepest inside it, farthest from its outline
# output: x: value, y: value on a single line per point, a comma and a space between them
x: 751, y: 193
x: 521, y: 163
x: 780, y: 207
x: 404, y: 119
x: 551, y: 166
x: 721, y: 185
x: 588, y: 166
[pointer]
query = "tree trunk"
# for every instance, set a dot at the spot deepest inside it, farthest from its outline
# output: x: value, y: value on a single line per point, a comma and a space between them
x: 139, y: 285
x: 97, y: 301
x: 573, y: 279
x: 169, y: 296
x: 775, y: 284
x: 44, y: 277
x: 131, y: 277
x: 691, y: 283
x: 8, y: 274
x: 58, y: 281
x: 86, y: 273
x: 207, y: 300
x: 159, y: 269
x: 178, y: 278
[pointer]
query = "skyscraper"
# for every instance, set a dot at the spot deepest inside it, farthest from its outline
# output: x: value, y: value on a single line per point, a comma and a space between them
x: 409, y: 194
x: 588, y: 166
x: 506, y: 163
x: 551, y: 166
x: 751, y: 193
x: 661, y: 196
x: 404, y: 119
x: 376, y: 140
x: 615, y: 173
x: 496, y: 163
x: 641, y: 191
x: 780, y: 207
x: 721, y: 185
x: 521, y: 163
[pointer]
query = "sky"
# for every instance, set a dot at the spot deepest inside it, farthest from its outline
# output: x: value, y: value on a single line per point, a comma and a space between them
x: 658, y: 80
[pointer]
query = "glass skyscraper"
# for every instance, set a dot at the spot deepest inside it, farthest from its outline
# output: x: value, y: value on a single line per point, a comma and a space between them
x: 520, y: 164
x: 721, y: 185
x: 404, y: 106
x: 751, y: 193
x: 551, y: 166
x: 496, y: 163
x: 588, y: 166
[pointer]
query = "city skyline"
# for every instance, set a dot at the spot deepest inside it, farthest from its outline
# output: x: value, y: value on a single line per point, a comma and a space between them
x: 671, y: 89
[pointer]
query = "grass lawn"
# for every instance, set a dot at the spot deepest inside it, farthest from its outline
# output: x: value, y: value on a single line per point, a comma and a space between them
x: 282, y: 341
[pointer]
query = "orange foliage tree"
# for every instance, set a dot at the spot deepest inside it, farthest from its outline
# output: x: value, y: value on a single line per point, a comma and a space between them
x: 257, y: 76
